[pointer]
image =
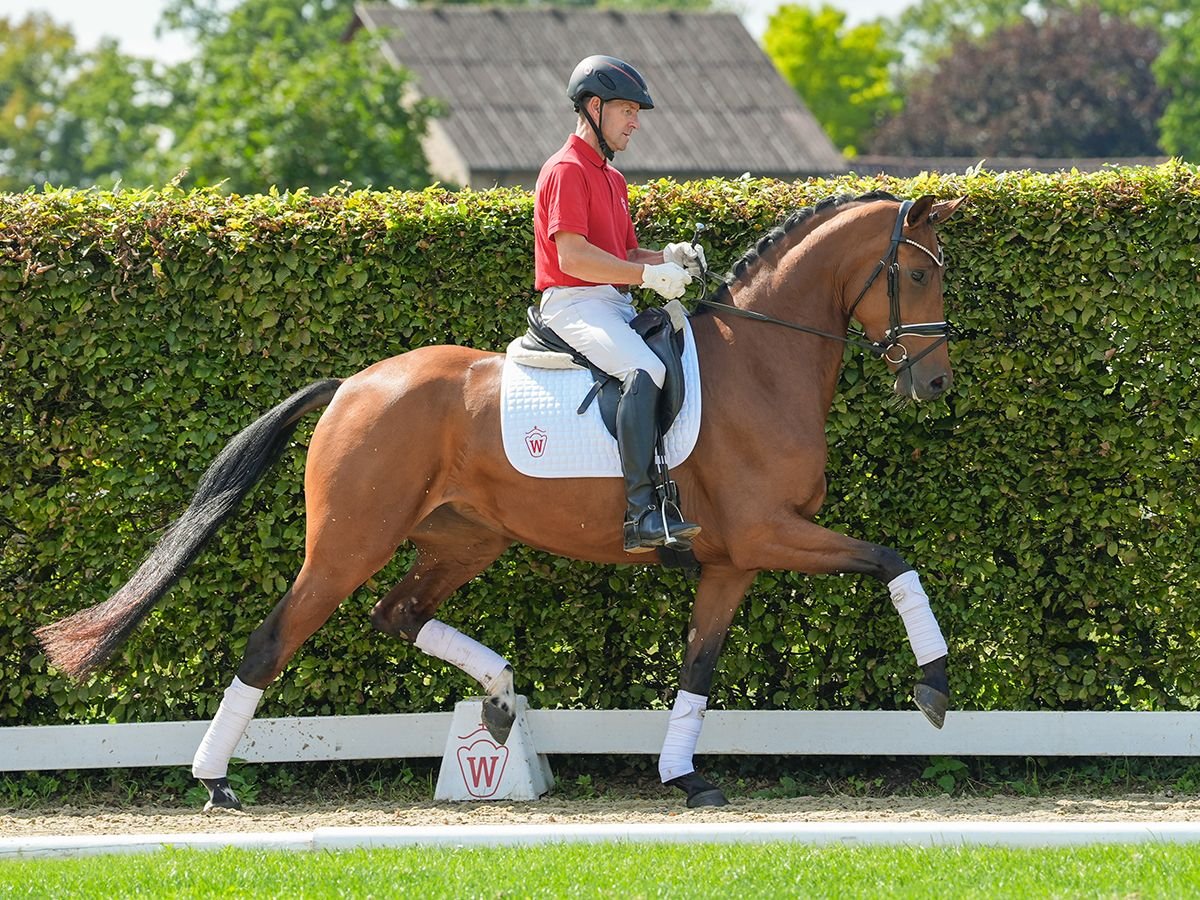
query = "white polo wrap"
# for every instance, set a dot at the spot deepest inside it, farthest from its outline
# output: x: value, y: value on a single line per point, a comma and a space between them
x: 226, y: 729
x: 440, y: 640
x: 683, y: 730
x: 912, y: 603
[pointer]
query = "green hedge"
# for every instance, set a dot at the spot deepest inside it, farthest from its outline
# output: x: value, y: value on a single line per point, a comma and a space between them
x: 1050, y: 503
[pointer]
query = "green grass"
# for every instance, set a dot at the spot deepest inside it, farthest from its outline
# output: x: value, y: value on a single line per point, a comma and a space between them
x: 627, y: 870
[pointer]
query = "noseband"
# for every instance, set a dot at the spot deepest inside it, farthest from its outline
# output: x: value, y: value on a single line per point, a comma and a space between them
x: 886, y: 347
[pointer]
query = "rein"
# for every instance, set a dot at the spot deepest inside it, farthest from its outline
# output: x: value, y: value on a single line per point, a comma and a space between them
x: 896, y: 328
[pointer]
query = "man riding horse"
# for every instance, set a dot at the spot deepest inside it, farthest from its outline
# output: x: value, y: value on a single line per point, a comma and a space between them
x: 586, y: 255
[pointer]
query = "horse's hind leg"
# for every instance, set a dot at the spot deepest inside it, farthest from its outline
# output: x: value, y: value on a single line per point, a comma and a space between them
x: 451, y: 550
x: 315, y: 594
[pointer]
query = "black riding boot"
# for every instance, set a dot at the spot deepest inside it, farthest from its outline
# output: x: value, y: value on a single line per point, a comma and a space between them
x: 647, y: 524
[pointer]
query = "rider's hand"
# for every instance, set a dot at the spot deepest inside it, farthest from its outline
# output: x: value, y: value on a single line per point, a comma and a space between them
x: 690, y: 256
x: 668, y: 280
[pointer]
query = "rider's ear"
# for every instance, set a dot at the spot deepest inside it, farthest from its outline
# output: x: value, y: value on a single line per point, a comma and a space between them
x: 944, y: 210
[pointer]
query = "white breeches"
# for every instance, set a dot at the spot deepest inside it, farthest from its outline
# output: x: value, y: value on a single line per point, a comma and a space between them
x: 595, y: 321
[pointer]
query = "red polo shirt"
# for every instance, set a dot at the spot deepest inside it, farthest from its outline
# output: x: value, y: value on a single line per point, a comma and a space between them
x: 578, y: 191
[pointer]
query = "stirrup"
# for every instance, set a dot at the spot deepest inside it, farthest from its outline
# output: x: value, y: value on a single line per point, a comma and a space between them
x: 679, y: 537
x: 675, y: 535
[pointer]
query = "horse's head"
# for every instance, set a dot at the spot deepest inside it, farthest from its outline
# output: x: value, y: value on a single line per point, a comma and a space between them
x: 903, y: 312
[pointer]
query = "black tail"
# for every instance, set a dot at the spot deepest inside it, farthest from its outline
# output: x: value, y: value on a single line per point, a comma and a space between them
x: 84, y: 641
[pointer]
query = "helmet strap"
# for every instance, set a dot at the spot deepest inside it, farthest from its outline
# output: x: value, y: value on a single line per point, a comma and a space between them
x: 604, y: 148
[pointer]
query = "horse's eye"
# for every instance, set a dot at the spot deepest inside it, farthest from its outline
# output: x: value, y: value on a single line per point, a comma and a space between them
x: 918, y: 275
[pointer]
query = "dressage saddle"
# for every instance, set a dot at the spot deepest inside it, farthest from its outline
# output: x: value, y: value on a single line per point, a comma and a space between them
x: 662, y: 330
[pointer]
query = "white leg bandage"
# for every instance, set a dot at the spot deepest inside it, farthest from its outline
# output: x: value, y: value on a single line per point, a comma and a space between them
x: 228, y: 725
x: 683, y: 730
x: 912, y: 603
x: 440, y: 640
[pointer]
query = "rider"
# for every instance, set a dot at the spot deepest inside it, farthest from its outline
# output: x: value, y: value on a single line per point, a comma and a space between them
x: 586, y: 257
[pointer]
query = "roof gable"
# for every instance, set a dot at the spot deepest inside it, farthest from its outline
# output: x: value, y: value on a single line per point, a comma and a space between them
x: 721, y: 108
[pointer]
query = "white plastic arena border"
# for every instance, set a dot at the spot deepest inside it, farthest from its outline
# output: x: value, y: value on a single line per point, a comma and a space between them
x: 911, y: 834
x: 734, y: 732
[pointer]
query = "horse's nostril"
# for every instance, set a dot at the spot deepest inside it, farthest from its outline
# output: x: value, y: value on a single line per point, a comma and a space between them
x: 937, y: 385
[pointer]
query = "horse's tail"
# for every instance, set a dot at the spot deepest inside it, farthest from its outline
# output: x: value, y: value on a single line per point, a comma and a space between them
x: 84, y: 641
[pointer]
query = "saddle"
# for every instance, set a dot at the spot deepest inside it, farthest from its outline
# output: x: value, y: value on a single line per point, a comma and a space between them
x: 662, y: 330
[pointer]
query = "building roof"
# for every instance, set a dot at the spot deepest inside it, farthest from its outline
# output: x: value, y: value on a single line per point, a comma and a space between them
x: 721, y: 108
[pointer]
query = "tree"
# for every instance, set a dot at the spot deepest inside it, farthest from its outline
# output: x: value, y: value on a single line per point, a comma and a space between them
x: 1179, y: 66
x: 70, y: 118
x: 274, y: 98
x: 1078, y: 84
x: 841, y: 74
x: 931, y: 28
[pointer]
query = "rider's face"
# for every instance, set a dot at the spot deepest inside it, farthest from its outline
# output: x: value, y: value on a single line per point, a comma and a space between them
x: 620, y: 122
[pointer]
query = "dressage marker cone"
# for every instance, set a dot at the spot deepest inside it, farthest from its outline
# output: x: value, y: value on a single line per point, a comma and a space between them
x: 475, y: 767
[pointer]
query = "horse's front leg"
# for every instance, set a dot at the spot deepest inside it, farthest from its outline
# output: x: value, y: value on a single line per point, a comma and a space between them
x: 718, y: 597
x: 799, y: 545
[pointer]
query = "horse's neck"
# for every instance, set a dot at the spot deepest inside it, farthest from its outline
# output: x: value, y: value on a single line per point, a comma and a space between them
x: 795, y: 366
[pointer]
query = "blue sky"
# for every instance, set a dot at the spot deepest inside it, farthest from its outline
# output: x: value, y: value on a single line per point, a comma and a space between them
x: 133, y: 21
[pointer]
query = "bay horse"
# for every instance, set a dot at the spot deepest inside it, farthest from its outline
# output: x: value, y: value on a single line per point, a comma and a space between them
x: 409, y: 449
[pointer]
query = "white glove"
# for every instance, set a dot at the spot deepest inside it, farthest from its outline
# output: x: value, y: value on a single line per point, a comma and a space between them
x: 690, y: 256
x: 667, y: 279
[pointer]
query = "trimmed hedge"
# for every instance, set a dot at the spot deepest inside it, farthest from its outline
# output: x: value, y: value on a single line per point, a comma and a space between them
x: 1050, y: 502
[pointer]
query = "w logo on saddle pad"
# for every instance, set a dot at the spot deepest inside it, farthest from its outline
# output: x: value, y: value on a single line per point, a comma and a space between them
x: 535, y: 440
x: 545, y: 437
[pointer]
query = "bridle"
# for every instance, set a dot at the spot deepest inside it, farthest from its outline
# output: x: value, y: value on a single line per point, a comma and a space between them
x: 897, y: 329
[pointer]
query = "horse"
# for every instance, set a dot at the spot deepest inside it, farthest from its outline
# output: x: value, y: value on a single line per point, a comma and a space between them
x: 409, y: 449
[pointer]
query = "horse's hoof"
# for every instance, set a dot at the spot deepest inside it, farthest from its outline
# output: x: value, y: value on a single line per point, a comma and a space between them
x: 933, y: 703
x: 500, y: 706
x: 699, y: 791
x: 220, y: 794
x: 498, y: 719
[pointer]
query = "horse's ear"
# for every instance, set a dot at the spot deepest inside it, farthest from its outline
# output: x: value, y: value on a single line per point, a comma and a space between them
x: 944, y: 210
x: 919, y: 211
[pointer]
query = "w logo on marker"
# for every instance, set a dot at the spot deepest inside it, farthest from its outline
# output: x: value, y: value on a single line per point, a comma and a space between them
x: 535, y: 440
x: 482, y: 763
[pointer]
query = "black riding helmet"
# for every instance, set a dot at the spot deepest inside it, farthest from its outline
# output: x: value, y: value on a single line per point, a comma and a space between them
x: 608, y: 78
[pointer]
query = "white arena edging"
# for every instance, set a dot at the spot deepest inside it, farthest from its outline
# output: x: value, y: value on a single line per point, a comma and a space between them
x: 583, y: 731
x: 913, y: 834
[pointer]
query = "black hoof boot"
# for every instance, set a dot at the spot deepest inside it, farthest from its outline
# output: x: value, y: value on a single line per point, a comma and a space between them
x: 220, y: 794
x: 932, y: 694
x: 699, y: 792
x: 500, y: 708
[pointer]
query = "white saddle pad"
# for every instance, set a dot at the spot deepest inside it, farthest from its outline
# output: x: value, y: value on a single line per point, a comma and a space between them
x: 546, y: 438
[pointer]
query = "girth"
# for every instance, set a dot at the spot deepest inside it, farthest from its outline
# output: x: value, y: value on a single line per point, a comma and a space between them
x: 662, y: 330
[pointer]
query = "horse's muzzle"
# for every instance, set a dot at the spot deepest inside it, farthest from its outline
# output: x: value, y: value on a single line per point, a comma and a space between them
x: 921, y: 386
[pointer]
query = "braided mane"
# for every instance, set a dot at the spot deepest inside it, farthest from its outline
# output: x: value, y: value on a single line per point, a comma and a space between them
x: 794, y: 220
